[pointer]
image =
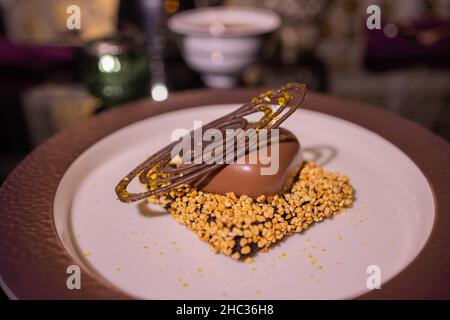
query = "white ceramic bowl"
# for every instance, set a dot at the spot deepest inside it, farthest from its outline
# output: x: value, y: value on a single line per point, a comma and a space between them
x: 220, y: 42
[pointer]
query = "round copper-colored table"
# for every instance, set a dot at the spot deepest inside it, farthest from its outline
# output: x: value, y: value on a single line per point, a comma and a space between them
x: 33, y: 260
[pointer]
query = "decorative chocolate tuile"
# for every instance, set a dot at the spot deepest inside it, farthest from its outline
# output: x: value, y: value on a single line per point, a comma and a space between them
x: 287, y: 98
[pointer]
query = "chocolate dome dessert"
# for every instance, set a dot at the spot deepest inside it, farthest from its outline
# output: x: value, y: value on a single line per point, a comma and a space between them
x: 245, y: 178
x: 242, y: 203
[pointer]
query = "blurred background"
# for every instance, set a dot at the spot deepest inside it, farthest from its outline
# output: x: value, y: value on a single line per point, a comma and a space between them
x: 52, y: 77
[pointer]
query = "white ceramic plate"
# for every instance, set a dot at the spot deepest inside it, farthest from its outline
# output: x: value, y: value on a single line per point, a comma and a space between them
x: 149, y: 255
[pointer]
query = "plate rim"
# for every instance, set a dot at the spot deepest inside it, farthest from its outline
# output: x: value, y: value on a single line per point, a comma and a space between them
x: 41, y: 251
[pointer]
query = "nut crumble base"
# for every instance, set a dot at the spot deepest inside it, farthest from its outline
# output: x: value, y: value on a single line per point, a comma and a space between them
x: 240, y: 226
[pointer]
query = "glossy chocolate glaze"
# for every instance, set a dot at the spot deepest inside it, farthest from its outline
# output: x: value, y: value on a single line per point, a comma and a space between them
x: 246, y: 179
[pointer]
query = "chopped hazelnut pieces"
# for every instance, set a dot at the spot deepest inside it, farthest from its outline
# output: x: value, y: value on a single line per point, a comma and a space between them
x: 238, y: 226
